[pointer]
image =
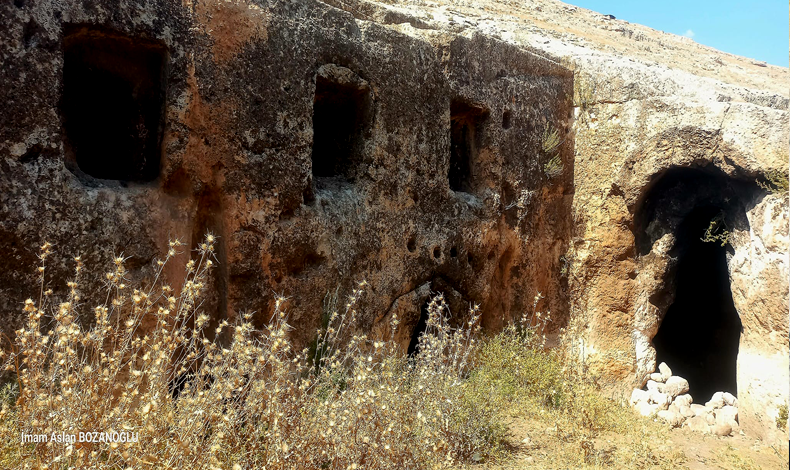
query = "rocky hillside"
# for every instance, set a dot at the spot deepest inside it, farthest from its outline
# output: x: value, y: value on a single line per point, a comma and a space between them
x: 562, y: 29
x: 516, y: 155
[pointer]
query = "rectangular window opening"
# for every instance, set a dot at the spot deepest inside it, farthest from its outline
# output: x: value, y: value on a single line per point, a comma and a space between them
x: 112, y: 103
x: 465, y: 121
x: 342, y: 112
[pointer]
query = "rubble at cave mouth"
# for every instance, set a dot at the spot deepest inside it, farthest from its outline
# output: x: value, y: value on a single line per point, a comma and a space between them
x: 699, y: 327
x: 666, y: 397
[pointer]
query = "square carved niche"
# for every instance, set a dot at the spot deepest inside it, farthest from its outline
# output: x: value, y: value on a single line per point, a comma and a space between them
x: 112, y: 103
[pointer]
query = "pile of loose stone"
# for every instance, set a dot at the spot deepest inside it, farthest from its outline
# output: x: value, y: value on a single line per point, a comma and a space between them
x: 666, y: 397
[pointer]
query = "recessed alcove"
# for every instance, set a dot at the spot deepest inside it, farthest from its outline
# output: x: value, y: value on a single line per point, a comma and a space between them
x: 112, y: 103
x: 419, y: 329
x: 466, y: 119
x: 453, y: 304
x: 507, y: 119
x: 342, y: 113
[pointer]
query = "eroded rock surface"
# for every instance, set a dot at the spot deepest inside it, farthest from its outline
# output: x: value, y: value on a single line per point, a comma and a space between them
x: 321, y: 150
x: 436, y: 114
x: 760, y: 272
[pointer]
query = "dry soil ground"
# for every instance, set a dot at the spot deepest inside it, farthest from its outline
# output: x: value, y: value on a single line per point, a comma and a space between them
x: 537, y: 447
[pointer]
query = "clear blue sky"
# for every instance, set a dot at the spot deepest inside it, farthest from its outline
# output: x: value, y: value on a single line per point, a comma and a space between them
x: 756, y: 29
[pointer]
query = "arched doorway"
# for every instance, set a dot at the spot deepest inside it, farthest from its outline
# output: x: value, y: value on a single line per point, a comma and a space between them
x: 692, y: 210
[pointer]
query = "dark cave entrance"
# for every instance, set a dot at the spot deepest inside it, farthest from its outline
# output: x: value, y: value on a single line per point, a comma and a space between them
x: 422, y: 326
x: 700, y: 328
x: 700, y: 333
x: 112, y: 103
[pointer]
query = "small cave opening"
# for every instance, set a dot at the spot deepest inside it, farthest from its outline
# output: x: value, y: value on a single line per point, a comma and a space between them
x: 700, y: 333
x: 342, y: 111
x: 506, y: 119
x: 422, y: 326
x: 112, y: 103
x: 465, y: 122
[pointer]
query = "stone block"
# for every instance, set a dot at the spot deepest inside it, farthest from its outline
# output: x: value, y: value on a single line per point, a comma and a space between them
x: 670, y: 417
x: 699, y: 410
x: 729, y: 399
x: 683, y: 400
x: 721, y: 429
x: 638, y: 396
x: 646, y: 409
x: 697, y: 424
x: 675, y: 386
x: 665, y: 371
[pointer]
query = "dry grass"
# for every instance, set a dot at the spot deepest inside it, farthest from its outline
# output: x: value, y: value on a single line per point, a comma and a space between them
x: 551, y: 139
x: 728, y: 457
x: 554, y: 167
x: 775, y: 181
x: 550, y: 144
x: 254, y: 402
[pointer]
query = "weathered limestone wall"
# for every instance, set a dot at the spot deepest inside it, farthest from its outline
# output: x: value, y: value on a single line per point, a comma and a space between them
x: 237, y: 139
x: 760, y: 272
x: 622, y: 292
x: 238, y: 136
x: 648, y: 103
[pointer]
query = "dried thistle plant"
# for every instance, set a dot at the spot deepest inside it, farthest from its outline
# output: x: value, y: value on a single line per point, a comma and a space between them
x: 146, y: 365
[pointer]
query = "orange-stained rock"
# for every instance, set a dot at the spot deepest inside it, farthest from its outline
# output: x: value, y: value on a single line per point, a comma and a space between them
x: 441, y: 178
